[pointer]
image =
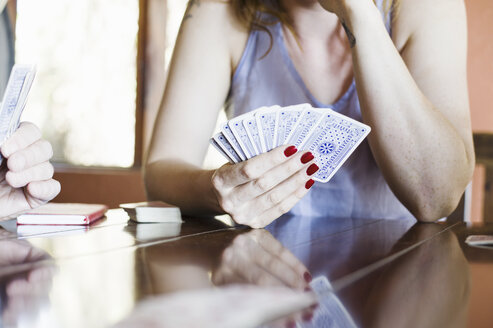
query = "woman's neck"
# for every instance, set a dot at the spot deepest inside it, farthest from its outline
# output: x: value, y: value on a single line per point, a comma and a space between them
x: 310, y: 21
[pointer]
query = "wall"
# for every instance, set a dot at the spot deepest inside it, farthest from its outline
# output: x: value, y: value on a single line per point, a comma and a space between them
x: 480, y: 71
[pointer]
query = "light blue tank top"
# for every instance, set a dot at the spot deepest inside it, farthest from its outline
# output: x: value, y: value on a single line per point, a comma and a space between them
x: 358, y: 189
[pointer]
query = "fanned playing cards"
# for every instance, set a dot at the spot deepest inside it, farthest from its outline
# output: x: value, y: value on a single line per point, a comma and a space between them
x: 330, y: 136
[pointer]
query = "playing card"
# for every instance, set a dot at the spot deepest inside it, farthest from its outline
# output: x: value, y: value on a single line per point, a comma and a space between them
x: 321, y: 286
x: 287, y: 119
x: 267, y: 122
x: 226, y: 147
x: 304, y: 126
x: 254, y: 133
x: 241, y: 135
x: 228, y: 134
x: 332, y: 140
x: 220, y: 150
x: 330, y: 311
x: 14, y: 99
x: 21, y: 103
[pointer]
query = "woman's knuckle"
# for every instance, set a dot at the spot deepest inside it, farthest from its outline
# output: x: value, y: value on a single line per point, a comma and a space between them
x: 226, y: 204
x: 283, y: 208
x: 300, y: 192
x: 238, y: 218
x: 217, y: 182
x: 248, y: 171
x: 256, y: 224
x: 262, y: 184
x: 274, y: 198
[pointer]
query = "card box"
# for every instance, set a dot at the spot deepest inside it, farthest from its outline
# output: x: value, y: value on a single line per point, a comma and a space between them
x: 63, y: 214
x: 156, y: 211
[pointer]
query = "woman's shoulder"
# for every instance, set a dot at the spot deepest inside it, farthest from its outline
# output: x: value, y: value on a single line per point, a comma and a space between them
x: 412, y: 17
x: 215, y: 22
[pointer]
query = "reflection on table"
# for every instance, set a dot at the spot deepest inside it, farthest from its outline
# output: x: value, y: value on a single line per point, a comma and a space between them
x: 302, y: 271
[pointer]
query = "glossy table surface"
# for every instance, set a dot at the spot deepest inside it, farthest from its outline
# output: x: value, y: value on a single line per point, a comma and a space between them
x: 379, y: 273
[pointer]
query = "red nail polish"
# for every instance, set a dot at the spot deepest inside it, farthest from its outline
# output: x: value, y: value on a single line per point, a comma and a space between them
x: 307, y: 157
x: 307, y: 276
x: 312, y: 169
x: 291, y: 324
x: 307, y: 316
x: 290, y: 151
x: 309, y: 184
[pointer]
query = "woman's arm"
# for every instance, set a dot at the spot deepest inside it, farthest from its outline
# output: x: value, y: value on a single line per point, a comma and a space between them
x: 197, y: 86
x: 416, y: 101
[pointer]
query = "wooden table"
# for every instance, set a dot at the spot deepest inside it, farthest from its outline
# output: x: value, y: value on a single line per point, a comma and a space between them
x: 384, y: 273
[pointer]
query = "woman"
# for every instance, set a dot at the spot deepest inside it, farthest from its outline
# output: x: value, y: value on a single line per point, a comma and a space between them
x: 403, y: 72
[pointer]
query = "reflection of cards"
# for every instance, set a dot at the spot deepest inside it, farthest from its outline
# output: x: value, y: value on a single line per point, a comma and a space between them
x: 330, y: 311
x: 14, y: 99
x: 483, y: 241
x: 330, y: 136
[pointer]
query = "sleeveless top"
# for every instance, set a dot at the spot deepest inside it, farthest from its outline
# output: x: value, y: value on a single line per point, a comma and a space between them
x: 358, y: 189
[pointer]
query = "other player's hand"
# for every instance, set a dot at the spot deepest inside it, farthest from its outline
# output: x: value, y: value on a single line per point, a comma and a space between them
x: 26, y: 175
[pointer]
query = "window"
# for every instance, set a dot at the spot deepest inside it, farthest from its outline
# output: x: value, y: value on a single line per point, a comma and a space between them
x: 84, y: 96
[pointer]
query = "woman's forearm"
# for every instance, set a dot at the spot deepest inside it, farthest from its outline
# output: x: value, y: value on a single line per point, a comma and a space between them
x: 426, y: 160
x: 183, y: 185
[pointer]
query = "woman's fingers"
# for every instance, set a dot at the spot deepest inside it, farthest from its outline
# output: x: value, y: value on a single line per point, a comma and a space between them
x: 25, y: 135
x: 296, y: 185
x: 40, y: 172
x: 265, y: 218
x: 273, y: 177
x: 255, y: 167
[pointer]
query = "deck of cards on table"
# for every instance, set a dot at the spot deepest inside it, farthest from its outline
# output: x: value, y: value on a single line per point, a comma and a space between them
x: 330, y: 136
x: 63, y: 214
x: 14, y: 99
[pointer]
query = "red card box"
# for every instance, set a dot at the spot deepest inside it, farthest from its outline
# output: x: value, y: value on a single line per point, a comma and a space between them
x: 63, y: 214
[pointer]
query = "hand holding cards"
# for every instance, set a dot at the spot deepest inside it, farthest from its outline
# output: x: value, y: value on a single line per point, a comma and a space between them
x: 330, y: 136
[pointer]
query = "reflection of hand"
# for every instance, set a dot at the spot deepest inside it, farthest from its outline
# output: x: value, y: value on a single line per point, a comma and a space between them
x: 16, y: 251
x: 258, y: 258
x: 261, y: 189
x: 26, y: 177
x: 25, y: 291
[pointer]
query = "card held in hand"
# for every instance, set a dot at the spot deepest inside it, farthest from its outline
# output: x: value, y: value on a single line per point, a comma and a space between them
x: 14, y: 99
x: 332, y: 141
x: 330, y: 136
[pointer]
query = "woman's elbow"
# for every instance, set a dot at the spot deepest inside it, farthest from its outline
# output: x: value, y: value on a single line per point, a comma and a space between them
x: 440, y: 204
x: 428, y: 212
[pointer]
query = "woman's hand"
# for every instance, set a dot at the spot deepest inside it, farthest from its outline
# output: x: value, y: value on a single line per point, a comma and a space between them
x: 261, y: 189
x: 26, y: 173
